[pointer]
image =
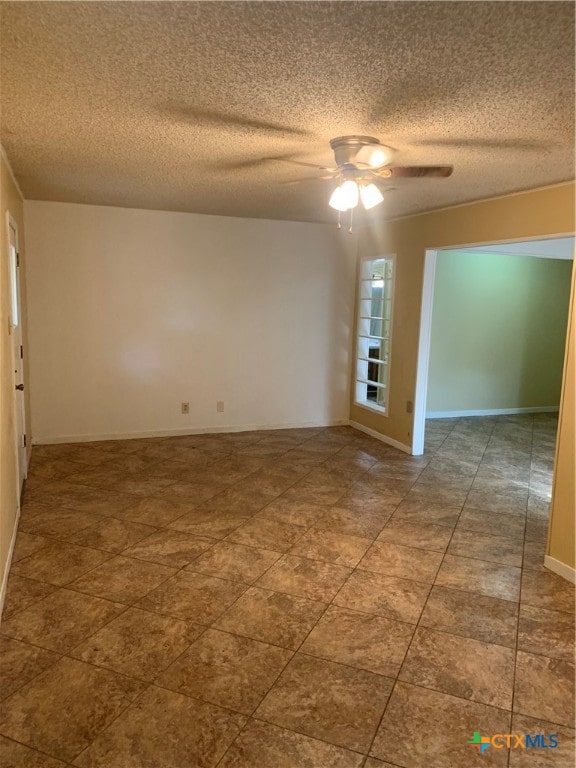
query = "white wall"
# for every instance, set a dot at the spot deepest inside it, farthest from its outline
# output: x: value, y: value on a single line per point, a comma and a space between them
x: 132, y: 312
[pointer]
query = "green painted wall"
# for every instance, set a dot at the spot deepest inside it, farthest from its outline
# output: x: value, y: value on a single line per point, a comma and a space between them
x: 498, y: 331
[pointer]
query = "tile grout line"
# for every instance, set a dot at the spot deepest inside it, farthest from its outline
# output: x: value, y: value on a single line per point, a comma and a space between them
x: 33, y: 749
x: 514, y: 670
x: 119, y: 554
x: 153, y: 683
x: 408, y: 646
x: 294, y: 652
x: 418, y: 624
x: 299, y: 648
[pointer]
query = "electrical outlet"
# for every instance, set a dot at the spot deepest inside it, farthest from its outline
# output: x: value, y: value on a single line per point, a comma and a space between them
x: 409, y: 406
x: 220, y: 406
x: 185, y: 407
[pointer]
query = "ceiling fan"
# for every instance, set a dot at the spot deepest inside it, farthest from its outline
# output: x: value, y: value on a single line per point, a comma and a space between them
x: 361, y: 163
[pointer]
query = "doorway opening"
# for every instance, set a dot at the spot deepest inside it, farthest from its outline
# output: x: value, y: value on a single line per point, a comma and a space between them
x: 508, y: 341
x: 472, y: 372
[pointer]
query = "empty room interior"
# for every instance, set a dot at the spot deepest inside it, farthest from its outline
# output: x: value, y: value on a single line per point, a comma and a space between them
x: 287, y: 349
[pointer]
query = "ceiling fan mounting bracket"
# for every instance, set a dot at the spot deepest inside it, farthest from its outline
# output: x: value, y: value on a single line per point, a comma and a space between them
x: 354, y: 141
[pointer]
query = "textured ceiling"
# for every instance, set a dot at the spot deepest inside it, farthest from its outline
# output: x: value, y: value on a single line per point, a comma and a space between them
x: 121, y: 103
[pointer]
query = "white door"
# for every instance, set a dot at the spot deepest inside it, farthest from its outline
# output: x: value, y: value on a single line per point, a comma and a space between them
x: 16, y: 331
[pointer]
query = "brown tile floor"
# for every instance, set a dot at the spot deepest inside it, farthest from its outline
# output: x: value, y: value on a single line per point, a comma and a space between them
x: 289, y: 599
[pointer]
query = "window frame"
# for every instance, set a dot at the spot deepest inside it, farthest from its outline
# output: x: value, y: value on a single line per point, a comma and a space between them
x: 367, y: 405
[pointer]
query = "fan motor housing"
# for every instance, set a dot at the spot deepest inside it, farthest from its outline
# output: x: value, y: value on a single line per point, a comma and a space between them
x: 346, y: 147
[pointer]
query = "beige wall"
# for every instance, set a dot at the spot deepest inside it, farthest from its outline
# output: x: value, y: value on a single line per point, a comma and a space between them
x: 10, y: 201
x: 536, y: 214
x: 561, y: 542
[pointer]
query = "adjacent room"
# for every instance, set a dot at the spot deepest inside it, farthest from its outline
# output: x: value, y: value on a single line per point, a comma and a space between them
x: 287, y: 454
x: 498, y: 335
x: 497, y: 342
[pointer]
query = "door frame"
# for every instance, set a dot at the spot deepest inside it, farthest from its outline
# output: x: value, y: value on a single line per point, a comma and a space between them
x: 426, y: 308
x: 16, y: 401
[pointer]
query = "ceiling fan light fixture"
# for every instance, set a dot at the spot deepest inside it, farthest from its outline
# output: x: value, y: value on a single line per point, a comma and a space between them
x: 336, y: 201
x: 370, y: 196
x: 378, y: 158
x: 373, y: 156
x: 345, y: 196
x: 349, y: 193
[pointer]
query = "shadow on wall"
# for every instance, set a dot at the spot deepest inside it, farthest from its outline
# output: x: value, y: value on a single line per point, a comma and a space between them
x: 547, y: 298
x: 342, y: 322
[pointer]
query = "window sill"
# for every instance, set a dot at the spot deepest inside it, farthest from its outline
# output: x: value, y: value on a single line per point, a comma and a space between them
x: 373, y: 408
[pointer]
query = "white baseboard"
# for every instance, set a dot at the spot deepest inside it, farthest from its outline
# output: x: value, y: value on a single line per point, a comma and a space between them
x: 8, y: 562
x: 491, y: 412
x: 560, y: 568
x: 382, y: 438
x: 54, y: 439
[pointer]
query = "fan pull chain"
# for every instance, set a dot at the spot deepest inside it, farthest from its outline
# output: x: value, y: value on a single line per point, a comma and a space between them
x: 351, y: 220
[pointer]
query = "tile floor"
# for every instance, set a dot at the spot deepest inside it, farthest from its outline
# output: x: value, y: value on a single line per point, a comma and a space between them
x: 291, y: 599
